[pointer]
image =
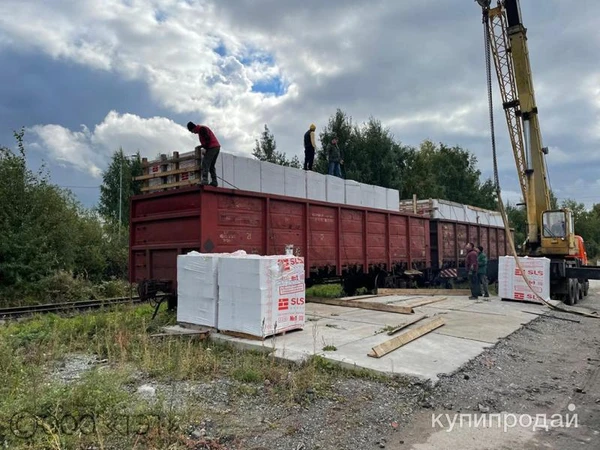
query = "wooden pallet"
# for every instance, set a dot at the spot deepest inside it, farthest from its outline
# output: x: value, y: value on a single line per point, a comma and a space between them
x: 238, y: 334
x: 171, y: 172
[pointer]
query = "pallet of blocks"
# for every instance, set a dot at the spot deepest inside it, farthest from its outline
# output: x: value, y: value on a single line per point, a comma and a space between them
x: 169, y: 173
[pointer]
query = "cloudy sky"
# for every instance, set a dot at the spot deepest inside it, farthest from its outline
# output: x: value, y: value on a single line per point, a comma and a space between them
x: 85, y: 77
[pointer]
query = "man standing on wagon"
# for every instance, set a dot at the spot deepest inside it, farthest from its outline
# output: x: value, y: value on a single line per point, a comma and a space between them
x: 209, y: 142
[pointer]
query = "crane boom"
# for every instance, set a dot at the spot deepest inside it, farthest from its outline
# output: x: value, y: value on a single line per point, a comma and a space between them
x: 550, y: 233
x: 508, y: 40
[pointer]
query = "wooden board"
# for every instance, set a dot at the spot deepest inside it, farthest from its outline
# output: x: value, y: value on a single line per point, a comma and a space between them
x: 252, y: 337
x: 449, y: 292
x: 407, y: 324
x: 159, y: 187
x: 362, y: 305
x: 427, y: 301
x: 166, y: 174
x: 406, y: 337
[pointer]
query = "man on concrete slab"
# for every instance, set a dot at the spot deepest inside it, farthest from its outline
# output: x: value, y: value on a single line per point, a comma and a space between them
x: 309, y: 147
x: 472, y: 267
x: 482, y: 263
x: 208, y: 142
x: 335, y: 157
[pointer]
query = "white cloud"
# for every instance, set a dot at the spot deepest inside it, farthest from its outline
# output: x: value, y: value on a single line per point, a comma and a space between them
x: 90, y: 151
x: 416, y: 65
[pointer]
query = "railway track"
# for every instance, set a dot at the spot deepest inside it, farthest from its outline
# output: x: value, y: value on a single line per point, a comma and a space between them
x: 19, y: 311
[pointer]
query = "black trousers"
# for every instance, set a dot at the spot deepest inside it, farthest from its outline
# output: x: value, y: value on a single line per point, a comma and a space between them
x: 208, y: 165
x: 475, y: 286
x: 309, y: 158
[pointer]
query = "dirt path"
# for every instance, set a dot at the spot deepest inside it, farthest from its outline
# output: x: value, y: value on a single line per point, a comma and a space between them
x: 548, y: 370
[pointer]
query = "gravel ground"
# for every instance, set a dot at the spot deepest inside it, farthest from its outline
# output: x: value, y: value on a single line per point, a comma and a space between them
x: 540, y: 369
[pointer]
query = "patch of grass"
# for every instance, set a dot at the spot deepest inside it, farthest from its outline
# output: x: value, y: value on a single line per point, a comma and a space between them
x: 325, y: 291
x: 330, y: 348
x: 30, y: 348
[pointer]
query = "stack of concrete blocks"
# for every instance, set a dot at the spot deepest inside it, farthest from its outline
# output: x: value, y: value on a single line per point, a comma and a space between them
x: 247, y: 173
x: 261, y: 295
x: 512, y: 284
x: 250, y: 174
x: 336, y: 189
x: 353, y: 193
x: 316, y: 186
x: 444, y: 209
x: 295, y: 182
x: 272, y: 178
x: 392, y: 199
x: 197, y: 289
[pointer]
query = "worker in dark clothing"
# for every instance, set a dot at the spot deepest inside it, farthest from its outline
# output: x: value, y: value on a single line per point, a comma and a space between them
x: 211, y: 146
x: 482, y: 263
x: 309, y: 147
x: 472, y: 267
x: 335, y: 157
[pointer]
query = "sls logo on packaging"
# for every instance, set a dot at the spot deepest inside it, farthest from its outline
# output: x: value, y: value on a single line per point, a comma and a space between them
x: 284, y: 304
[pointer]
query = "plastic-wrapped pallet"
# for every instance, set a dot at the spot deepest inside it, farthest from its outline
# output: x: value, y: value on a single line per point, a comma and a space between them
x: 316, y: 188
x: 512, y: 285
x: 246, y: 172
x: 272, y: 178
x: 294, y: 182
x: 353, y: 193
x: 380, y: 198
x: 197, y: 288
x: 393, y: 199
x: 261, y: 295
x: 336, y: 189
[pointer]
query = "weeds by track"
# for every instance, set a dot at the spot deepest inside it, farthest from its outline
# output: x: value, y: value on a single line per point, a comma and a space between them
x: 28, y: 310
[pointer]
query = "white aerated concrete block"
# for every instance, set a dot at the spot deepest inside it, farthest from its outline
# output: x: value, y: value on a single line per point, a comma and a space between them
x: 246, y: 172
x: 353, y: 193
x: 380, y: 199
x: 272, y: 178
x: 261, y: 295
x: 228, y: 177
x: 367, y: 192
x: 393, y: 199
x: 316, y: 186
x: 336, y: 189
x: 197, y: 289
x: 295, y: 182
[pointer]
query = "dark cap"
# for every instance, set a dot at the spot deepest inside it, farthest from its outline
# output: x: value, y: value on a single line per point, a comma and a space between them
x: 191, y: 126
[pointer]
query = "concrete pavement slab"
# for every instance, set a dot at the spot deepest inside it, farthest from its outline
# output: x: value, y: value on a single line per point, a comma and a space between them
x: 424, y: 358
x: 470, y: 327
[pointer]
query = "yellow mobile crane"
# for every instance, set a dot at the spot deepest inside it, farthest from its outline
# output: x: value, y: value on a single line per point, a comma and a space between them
x: 550, y: 233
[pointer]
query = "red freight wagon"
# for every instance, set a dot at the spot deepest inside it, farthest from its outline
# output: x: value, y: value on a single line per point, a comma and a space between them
x: 336, y: 240
x: 452, y: 226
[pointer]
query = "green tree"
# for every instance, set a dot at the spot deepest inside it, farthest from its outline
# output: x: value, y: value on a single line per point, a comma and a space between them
x: 118, y: 186
x: 266, y: 150
x: 339, y: 125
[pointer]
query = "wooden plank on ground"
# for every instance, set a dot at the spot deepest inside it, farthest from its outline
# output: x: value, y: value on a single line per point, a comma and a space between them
x: 407, y: 324
x: 427, y: 301
x: 362, y: 305
x: 406, y: 337
x: 423, y: 292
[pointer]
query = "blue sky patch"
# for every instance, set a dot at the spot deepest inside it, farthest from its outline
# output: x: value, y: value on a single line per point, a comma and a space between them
x: 270, y: 86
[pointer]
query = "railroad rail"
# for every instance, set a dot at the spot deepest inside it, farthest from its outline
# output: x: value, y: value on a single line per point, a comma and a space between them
x: 18, y: 311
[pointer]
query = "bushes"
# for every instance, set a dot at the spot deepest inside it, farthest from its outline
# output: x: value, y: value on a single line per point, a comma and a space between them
x: 51, y: 248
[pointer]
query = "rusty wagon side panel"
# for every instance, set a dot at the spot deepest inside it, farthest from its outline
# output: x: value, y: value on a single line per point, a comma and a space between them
x: 334, y: 239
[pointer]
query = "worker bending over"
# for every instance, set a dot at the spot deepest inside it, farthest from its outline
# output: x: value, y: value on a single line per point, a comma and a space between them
x: 208, y: 142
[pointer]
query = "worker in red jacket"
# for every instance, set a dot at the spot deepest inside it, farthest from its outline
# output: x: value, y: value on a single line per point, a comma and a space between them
x: 472, y: 266
x: 210, y: 143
